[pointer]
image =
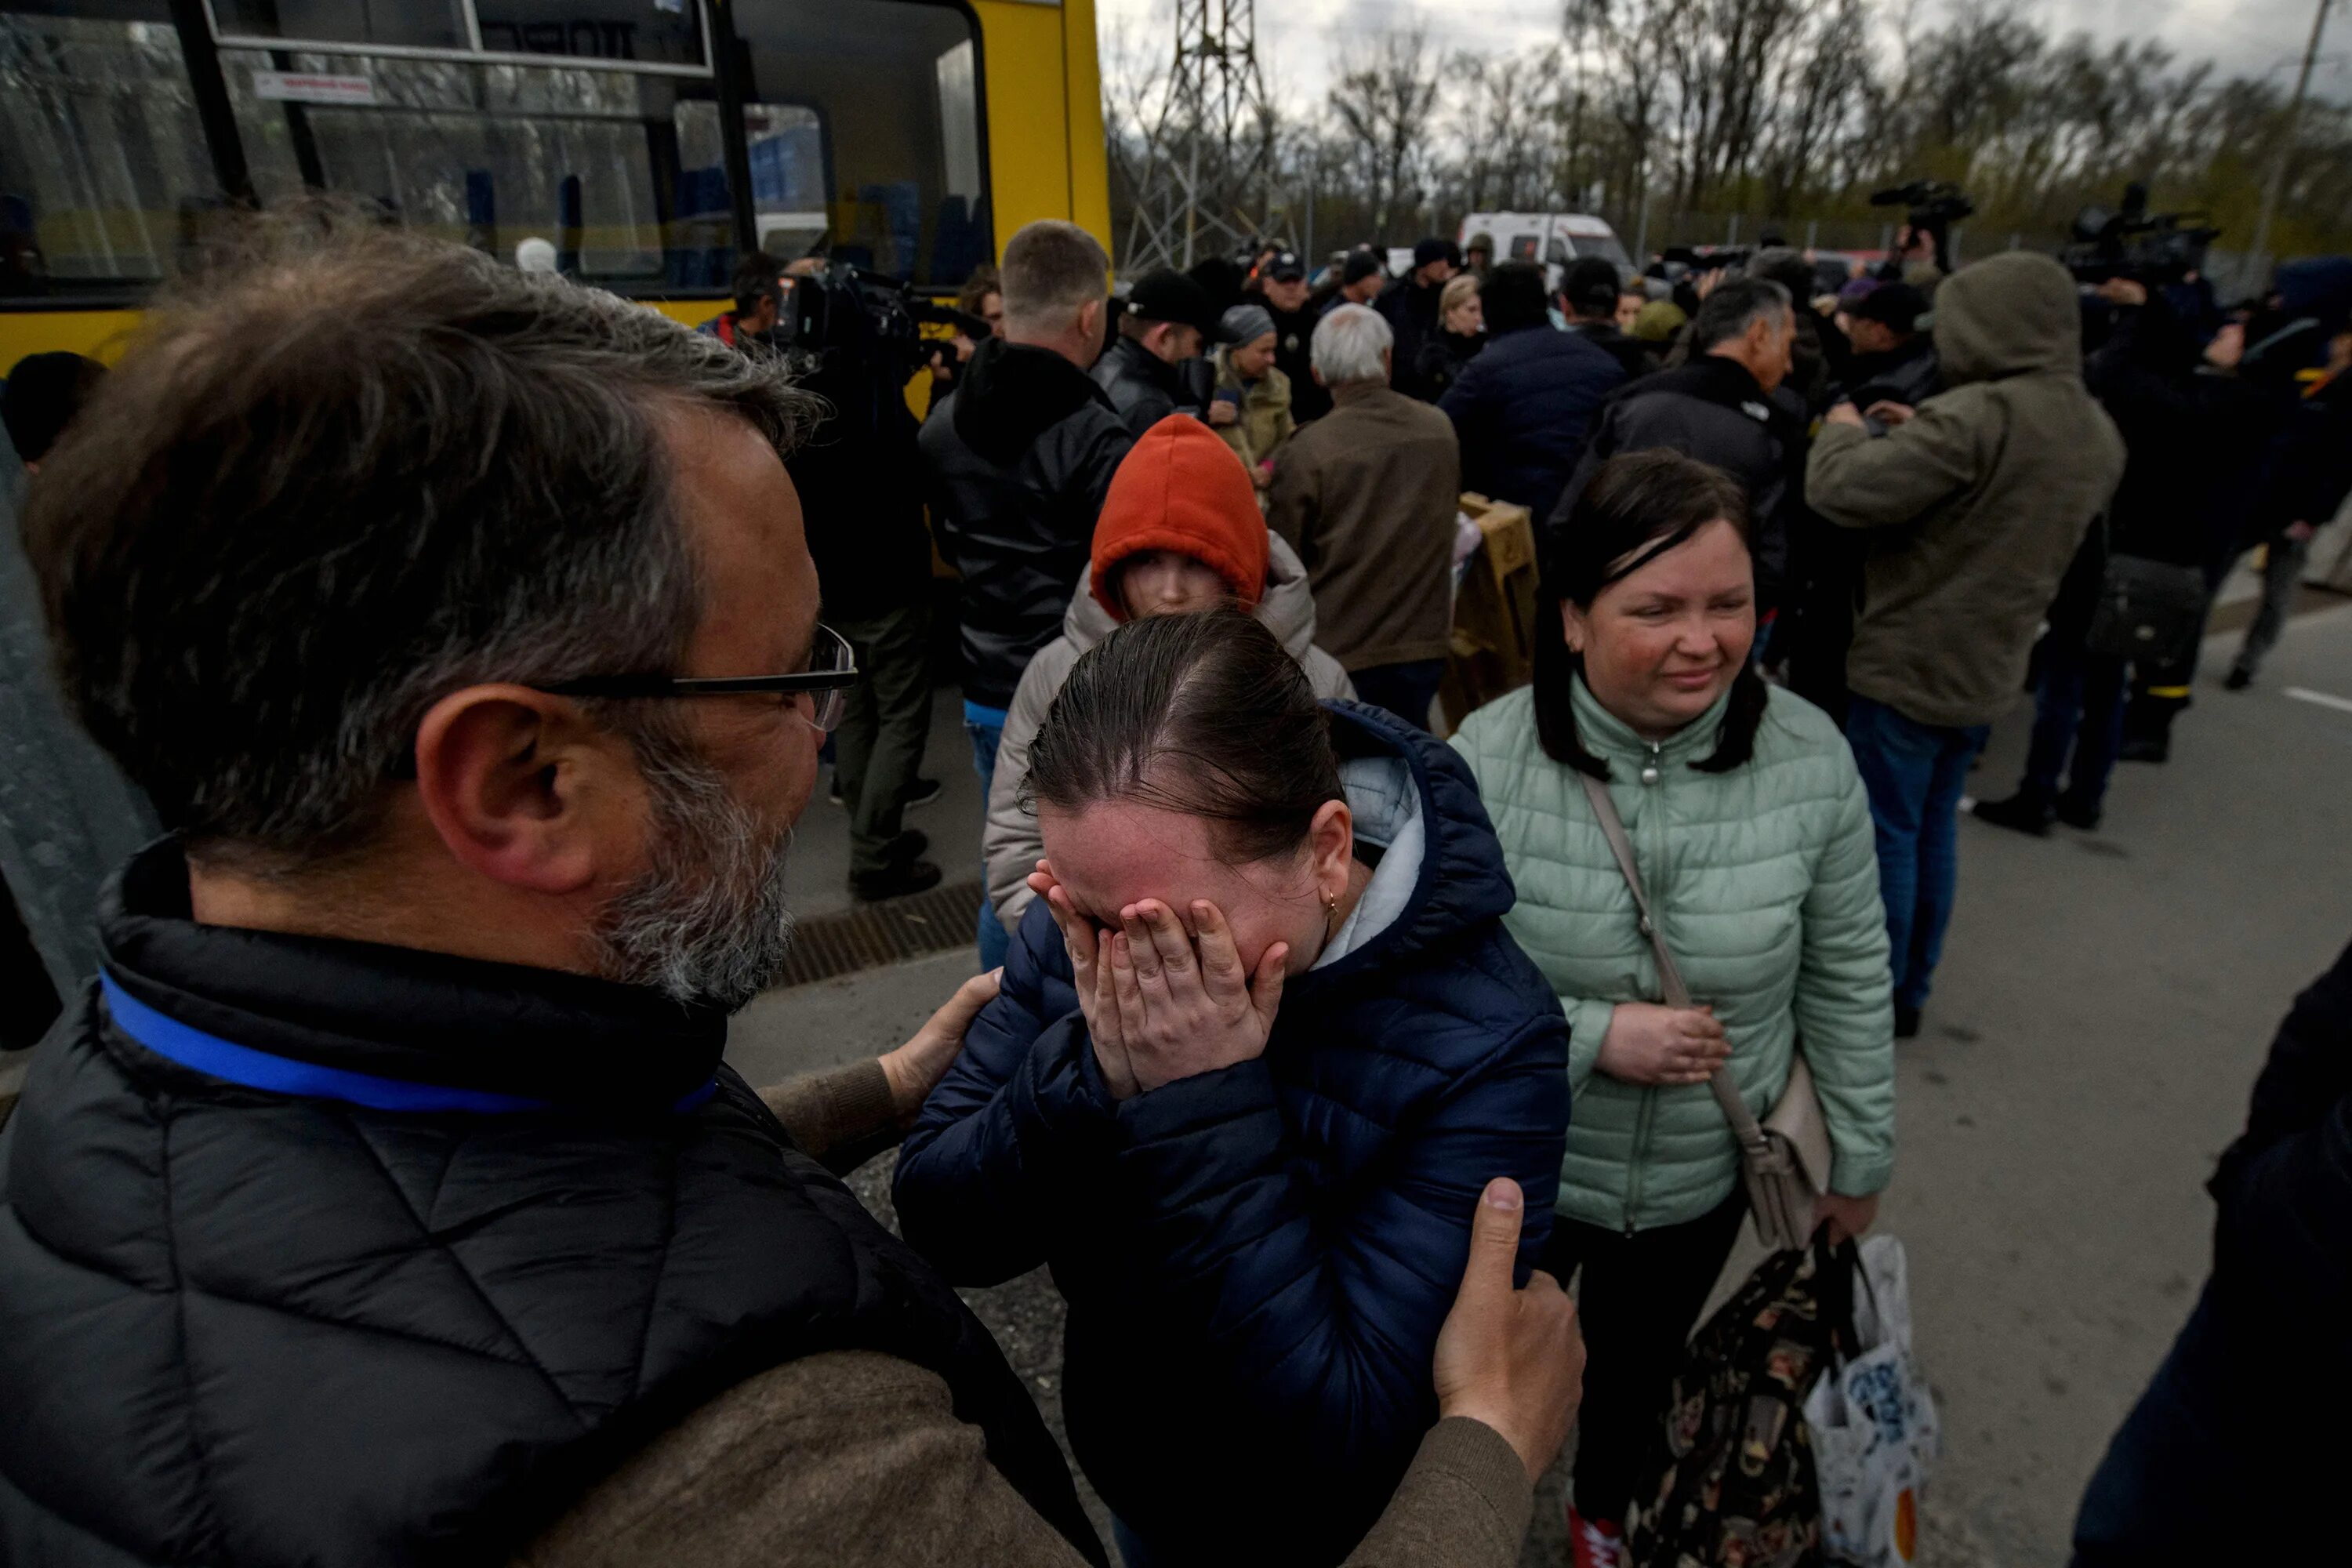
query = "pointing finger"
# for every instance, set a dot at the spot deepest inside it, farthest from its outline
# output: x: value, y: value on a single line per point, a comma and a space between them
x: 1494, y: 1241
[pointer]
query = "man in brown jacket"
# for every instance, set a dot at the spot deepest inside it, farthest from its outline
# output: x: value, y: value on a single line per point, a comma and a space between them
x: 388, y: 1200
x: 1367, y: 496
x: 1976, y: 503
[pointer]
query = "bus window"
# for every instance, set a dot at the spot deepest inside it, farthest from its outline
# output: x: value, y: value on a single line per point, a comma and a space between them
x: 103, y: 168
x: 888, y: 94
x: 414, y: 24
x: 596, y: 162
x: 665, y: 32
x: 1523, y: 247
x: 1558, y: 253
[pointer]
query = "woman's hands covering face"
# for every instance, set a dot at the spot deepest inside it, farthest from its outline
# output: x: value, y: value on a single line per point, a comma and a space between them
x: 1163, y: 1003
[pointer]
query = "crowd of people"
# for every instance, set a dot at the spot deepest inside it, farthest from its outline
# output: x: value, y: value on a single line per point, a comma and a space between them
x: 388, y: 1198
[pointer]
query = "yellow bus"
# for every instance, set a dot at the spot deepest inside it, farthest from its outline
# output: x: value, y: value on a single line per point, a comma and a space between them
x: 648, y: 142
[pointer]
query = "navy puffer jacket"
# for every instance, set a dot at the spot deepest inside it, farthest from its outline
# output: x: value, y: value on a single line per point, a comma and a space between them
x: 1258, y: 1259
x: 1522, y: 409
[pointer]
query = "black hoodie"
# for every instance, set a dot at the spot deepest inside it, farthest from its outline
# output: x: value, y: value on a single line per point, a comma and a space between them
x: 1016, y: 461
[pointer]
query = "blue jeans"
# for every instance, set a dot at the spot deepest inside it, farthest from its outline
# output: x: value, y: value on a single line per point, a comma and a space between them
x: 2079, y: 708
x: 1914, y: 773
x: 986, y: 728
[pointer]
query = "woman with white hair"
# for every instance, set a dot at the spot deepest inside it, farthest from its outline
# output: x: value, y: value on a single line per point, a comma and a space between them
x: 1367, y: 496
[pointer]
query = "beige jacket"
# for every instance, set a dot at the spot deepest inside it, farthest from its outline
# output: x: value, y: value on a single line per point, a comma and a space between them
x: 852, y: 1459
x: 1009, y: 844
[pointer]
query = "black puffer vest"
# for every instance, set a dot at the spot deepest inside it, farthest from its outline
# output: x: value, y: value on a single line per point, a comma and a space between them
x: 289, y: 1325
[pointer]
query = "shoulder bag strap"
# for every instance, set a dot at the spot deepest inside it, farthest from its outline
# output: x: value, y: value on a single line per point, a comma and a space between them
x: 1670, y: 978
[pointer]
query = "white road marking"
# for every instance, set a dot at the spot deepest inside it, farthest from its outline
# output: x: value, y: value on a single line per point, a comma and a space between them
x: 2322, y: 699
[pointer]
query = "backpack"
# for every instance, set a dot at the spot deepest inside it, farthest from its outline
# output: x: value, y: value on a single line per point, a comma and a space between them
x: 1733, y: 1477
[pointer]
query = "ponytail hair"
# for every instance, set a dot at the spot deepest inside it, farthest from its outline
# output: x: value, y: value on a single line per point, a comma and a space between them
x: 1635, y: 508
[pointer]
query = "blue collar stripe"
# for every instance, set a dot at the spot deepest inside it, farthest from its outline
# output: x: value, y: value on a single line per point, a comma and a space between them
x: 224, y: 1059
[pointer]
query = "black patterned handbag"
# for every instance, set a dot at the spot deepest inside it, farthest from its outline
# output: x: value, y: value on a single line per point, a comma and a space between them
x: 1732, y: 1478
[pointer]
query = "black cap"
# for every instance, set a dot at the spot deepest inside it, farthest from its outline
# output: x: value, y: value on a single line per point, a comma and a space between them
x: 1435, y: 249
x: 1591, y: 285
x: 1169, y: 296
x: 1286, y: 267
x: 1895, y: 305
x: 1361, y: 264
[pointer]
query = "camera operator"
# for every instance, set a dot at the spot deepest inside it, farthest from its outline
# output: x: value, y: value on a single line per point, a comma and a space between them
x: 2188, y: 440
x: 861, y: 473
x: 981, y: 302
x: 750, y: 326
x: 1894, y: 353
x: 1979, y: 500
x: 2309, y: 469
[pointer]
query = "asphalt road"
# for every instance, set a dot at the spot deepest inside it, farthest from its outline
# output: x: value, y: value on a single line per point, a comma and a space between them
x: 2103, y: 1008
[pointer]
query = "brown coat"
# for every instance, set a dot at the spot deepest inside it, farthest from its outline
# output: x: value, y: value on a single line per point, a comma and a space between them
x: 851, y: 1457
x: 1367, y: 495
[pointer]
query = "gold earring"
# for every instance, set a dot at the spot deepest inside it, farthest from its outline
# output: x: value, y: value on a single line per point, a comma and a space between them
x: 1330, y: 919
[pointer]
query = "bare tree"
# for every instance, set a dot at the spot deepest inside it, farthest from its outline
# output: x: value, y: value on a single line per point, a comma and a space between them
x: 1382, y: 103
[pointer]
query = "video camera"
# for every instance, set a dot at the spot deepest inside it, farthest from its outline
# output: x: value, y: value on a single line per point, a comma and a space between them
x: 1934, y: 206
x: 2150, y: 248
x: 844, y: 320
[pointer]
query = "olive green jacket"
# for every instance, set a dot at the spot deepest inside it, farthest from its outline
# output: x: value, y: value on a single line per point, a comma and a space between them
x: 1265, y: 423
x: 1975, y: 507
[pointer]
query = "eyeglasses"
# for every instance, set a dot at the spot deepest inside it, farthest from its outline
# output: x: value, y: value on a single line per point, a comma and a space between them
x: 832, y: 671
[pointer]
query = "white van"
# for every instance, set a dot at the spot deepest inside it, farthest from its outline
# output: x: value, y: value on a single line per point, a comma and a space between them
x: 1553, y: 238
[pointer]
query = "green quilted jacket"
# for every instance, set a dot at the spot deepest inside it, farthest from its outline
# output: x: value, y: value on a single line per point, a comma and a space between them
x: 1766, y: 881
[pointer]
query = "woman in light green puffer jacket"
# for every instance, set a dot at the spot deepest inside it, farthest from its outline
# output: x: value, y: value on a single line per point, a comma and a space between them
x: 1753, y: 836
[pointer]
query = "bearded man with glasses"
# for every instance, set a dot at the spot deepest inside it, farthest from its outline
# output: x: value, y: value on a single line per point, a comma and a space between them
x: 387, y: 1191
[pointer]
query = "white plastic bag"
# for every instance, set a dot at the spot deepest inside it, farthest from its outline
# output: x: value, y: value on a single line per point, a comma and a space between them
x: 1873, y: 1426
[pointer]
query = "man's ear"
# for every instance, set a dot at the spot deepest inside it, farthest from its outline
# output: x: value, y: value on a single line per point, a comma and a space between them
x: 523, y: 790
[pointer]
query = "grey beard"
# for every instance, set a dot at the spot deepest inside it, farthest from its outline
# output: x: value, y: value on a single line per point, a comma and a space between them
x: 707, y: 923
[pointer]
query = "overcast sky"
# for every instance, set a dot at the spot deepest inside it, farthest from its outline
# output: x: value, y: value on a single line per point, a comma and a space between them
x: 1298, y: 38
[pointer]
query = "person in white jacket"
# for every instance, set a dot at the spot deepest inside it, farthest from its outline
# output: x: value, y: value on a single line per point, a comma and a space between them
x: 1179, y: 530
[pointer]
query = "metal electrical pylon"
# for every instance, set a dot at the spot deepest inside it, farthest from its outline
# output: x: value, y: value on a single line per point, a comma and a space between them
x: 1200, y: 175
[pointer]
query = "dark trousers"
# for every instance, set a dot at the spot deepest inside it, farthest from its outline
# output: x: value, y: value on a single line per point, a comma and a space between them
x: 879, y: 746
x: 1405, y: 689
x: 1641, y: 1298
x: 2281, y: 575
x: 1914, y: 773
x: 2079, y: 708
x: 2169, y: 1489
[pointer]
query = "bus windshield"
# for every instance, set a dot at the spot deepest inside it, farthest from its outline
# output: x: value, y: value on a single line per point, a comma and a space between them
x: 593, y: 126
